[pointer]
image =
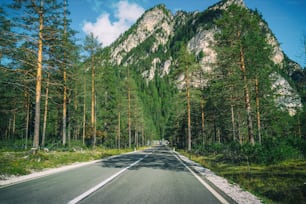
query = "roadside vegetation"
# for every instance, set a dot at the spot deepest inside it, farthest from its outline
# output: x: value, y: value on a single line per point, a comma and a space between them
x: 22, y: 162
x: 274, y: 171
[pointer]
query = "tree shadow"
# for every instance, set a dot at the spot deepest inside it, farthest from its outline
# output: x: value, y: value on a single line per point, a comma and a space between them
x: 161, y: 158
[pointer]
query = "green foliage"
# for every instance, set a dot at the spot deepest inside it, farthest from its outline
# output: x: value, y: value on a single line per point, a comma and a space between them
x: 272, y: 151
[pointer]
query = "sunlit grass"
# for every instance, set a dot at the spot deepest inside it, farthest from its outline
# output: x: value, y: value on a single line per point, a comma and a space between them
x: 23, y: 162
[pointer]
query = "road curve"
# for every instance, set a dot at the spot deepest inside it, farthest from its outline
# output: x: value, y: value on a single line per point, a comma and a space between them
x: 152, y: 176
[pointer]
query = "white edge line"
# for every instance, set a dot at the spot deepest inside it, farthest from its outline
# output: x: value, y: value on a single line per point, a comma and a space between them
x: 103, y: 183
x: 215, y: 193
x: 55, y: 170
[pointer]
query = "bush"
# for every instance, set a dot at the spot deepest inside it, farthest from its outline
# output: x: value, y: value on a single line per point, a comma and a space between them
x: 271, y: 151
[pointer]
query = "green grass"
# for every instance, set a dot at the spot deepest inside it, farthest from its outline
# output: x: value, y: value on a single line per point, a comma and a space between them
x: 23, y: 162
x: 284, y: 182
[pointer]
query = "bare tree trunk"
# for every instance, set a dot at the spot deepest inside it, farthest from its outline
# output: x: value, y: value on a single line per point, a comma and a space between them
x: 188, y: 112
x: 258, y: 110
x: 27, y: 119
x: 84, y: 111
x: 233, y: 118
x: 142, y: 135
x: 45, y: 112
x: 233, y: 122
x: 238, y: 129
x: 9, y: 129
x: 218, y: 135
x: 203, y: 122
x: 247, y: 99
x: 129, y: 111
x: 38, y: 79
x: 93, y: 117
x: 69, y: 126
x: 64, y: 130
x: 14, y: 122
x: 119, y: 130
x: 136, y: 137
x: 75, y: 123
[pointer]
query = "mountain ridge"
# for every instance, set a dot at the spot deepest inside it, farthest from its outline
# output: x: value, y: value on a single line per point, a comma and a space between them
x: 150, y: 44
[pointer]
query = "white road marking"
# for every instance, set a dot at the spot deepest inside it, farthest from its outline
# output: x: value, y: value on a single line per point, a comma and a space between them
x: 103, y: 183
x: 208, y: 187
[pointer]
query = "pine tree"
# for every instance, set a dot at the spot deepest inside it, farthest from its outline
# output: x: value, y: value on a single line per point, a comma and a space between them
x: 243, y: 53
x: 92, y: 46
x: 187, y: 65
x: 34, y: 25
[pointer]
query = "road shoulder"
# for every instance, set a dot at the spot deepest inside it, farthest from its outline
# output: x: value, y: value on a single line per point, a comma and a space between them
x: 231, y: 192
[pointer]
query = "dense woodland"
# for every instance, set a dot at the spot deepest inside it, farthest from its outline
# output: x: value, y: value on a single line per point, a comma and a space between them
x: 57, y: 91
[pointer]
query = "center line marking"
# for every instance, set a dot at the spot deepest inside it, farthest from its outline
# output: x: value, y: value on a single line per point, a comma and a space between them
x: 103, y: 183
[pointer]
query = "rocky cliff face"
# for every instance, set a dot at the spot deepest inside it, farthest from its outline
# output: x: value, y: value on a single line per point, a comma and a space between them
x: 157, y: 21
x: 152, y: 39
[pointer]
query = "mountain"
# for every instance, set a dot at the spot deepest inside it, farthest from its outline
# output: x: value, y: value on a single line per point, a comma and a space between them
x: 149, y: 46
x: 149, y: 54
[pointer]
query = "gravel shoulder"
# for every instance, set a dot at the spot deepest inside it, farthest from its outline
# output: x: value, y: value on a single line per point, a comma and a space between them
x: 234, y: 191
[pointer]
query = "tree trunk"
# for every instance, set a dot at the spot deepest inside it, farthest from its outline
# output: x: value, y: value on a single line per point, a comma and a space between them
x: 69, y: 125
x: 247, y: 98
x: 233, y: 122
x: 233, y: 117
x: 84, y: 111
x: 136, y: 138
x: 142, y: 135
x: 64, y: 130
x: 27, y: 118
x: 38, y: 80
x: 188, y: 112
x: 45, y: 113
x: 93, y: 96
x: 9, y: 129
x: 119, y: 130
x: 258, y: 110
x: 238, y: 129
x: 203, y: 122
x: 14, y: 122
x: 129, y: 111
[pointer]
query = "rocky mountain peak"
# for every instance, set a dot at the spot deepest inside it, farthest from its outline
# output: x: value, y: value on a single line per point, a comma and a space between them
x: 150, y: 46
x: 156, y: 19
x: 222, y: 5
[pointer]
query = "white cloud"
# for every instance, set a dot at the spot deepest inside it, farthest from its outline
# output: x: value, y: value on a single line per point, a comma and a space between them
x: 108, y: 31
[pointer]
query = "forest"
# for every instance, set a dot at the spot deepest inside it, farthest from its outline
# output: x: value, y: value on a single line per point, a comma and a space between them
x: 54, y: 91
x: 59, y: 92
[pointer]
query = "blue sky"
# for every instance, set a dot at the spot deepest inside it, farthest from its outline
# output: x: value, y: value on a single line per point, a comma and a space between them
x: 107, y: 19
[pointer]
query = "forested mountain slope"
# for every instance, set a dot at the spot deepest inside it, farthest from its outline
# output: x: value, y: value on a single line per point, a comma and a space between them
x: 152, y: 48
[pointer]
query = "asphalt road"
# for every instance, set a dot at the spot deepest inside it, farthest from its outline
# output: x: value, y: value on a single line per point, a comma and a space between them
x: 152, y: 176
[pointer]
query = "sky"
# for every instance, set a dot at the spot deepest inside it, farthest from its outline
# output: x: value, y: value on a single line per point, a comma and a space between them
x: 107, y: 19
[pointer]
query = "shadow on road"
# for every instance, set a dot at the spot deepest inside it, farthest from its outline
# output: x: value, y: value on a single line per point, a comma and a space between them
x: 161, y: 158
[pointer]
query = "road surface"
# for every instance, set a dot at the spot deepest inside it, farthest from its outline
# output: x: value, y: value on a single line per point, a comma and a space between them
x: 155, y: 175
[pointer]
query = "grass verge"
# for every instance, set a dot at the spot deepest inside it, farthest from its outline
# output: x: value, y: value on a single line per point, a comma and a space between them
x: 284, y: 182
x: 22, y: 163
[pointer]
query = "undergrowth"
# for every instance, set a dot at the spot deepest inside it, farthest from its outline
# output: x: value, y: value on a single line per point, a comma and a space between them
x: 275, y: 171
